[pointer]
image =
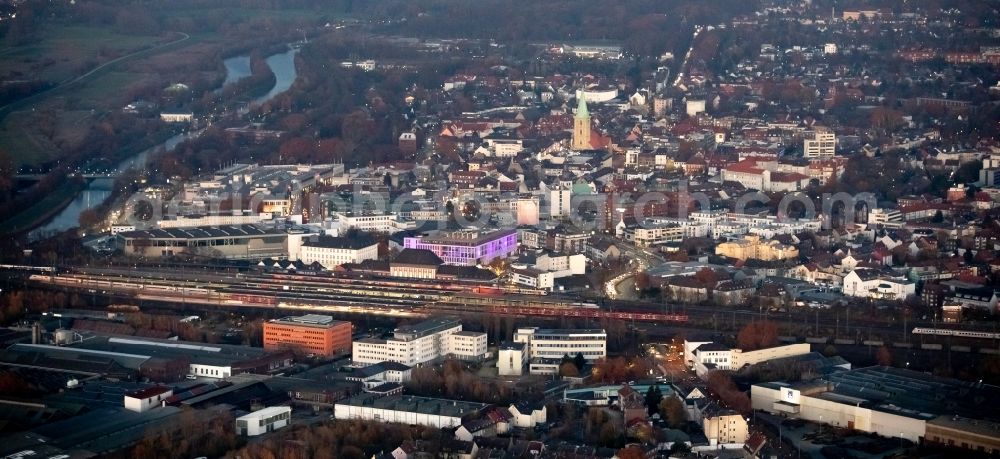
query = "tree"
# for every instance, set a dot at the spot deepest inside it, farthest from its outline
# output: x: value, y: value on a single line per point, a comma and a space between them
x: 672, y: 409
x: 631, y: 452
x: 757, y: 335
x: 653, y: 398
x: 580, y: 361
x: 568, y: 369
x: 884, y: 356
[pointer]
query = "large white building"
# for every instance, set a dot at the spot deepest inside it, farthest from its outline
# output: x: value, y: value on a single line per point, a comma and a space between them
x: 263, y: 421
x: 372, y: 222
x: 710, y: 356
x: 546, y: 347
x: 423, y: 342
x: 822, y: 144
x: 408, y: 409
x: 894, y: 403
x: 870, y: 283
x: 332, y: 251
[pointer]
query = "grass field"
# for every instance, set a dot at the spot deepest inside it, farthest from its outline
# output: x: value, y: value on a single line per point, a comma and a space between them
x: 67, y: 51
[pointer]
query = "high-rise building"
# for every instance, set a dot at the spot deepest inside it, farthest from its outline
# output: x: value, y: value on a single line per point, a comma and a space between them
x: 823, y: 144
x: 313, y: 333
x: 581, y: 124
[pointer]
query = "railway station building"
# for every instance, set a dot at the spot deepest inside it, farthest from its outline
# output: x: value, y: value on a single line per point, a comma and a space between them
x: 893, y: 403
x: 312, y: 333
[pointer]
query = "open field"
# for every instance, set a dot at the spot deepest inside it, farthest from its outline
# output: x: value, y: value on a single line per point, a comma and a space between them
x: 68, y: 51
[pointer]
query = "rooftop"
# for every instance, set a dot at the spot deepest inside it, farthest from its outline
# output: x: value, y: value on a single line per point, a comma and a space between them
x: 466, y: 238
x: 265, y: 412
x: 310, y: 320
x: 148, y: 392
x: 330, y: 242
x: 413, y: 404
x: 203, y: 232
x: 427, y: 327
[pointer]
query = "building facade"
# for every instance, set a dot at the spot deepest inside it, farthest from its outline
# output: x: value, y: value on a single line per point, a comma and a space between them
x: 263, y: 421
x: 333, y: 251
x: 313, y: 333
x: 467, y: 248
x: 422, y: 342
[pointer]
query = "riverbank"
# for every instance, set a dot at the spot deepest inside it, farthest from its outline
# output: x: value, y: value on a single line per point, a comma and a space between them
x: 44, y: 210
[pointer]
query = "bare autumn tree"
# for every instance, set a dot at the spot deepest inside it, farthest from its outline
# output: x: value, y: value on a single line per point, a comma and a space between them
x: 757, y: 335
x: 631, y: 452
x: 884, y: 356
x: 672, y: 409
x: 721, y: 383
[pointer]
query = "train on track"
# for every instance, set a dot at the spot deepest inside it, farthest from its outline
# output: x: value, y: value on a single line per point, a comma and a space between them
x: 953, y: 332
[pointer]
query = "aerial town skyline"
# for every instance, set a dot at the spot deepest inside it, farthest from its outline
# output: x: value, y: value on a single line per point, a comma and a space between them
x: 435, y: 228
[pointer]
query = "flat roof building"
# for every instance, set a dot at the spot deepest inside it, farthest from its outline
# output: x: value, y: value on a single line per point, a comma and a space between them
x: 407, y: 409
x: 421, y: 342
x: 312, y: 333
x: 233, y: 242
x: 894, y: 403
x: 263, y: 421
x: 547, y: 347
x: 467, y: 248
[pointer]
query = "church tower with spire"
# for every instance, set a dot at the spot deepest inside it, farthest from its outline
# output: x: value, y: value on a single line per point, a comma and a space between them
x: 581, y: 124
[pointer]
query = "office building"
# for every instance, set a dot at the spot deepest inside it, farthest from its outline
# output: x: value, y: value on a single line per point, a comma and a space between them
x: 467, y: 248
x: 545, y: 348
x: 333, y: 251
x: 311, y: 333
x: 422, y: 342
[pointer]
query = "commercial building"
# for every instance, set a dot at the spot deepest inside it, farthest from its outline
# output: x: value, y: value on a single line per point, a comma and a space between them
x: 822, y: 144
x: 312, y: 333
x: 872, y: 283
x: 263, y: 421
x: 467, y: 248
x: 146, y: 399
x: 410, y: 410
x: 158, y: 359
x: 333, y: 251
x: 714, y: 356
x: 751, y: 246
x: 894, y: 403
x: 545, y: 348
x: 232, y: 242
x: 422, y: 342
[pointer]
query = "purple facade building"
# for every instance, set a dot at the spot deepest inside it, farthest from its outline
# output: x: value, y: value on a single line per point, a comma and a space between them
x: 467, y: 248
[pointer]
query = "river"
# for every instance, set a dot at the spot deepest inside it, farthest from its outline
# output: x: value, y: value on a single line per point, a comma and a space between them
x: 283, y: 66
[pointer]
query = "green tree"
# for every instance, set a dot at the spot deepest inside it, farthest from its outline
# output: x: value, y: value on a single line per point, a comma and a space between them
x: 580, y: 361
x: 653, y: 398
